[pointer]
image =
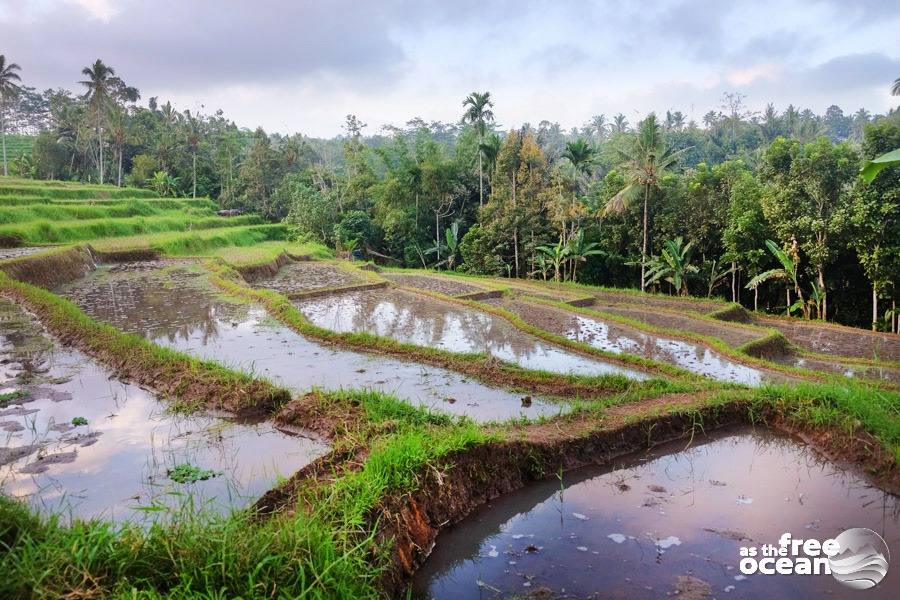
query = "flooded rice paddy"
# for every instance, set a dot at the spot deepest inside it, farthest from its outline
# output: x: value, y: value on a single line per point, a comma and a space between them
x: 663, y: 522
x: 306, y: 276
x: 420, y: 320
x: 610, y: 336
x: 173, y: 304
x: 74, y: 440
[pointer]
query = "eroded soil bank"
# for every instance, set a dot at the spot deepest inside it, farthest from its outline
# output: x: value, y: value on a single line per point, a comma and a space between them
x: 423, y: 321
x: 77, y: 441
x: 171, y: 303
x: 640, y: 525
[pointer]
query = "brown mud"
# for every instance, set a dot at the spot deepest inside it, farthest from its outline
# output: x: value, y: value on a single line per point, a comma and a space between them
x: 441, y: 285
x: 306, y: 276
x: 53, y: 269
x: 836, y: 339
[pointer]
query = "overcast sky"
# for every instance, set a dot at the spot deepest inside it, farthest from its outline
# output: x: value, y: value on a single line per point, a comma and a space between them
x: 302, y: 65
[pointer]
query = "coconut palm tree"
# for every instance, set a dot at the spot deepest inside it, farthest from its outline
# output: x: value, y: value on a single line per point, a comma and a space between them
x: 895, y: 89
x: 599, y: 125
x: 479, y: 113
x: 193, y: 135
x: 8, y: 89
x: 103, y: 92
x: 620, y: 123
x: 645, y: 162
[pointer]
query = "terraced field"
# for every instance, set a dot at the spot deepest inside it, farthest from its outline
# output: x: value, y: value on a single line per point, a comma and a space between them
x: 320, y: 426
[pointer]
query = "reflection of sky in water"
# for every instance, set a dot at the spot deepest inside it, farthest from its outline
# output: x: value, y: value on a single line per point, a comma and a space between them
x: 782, y: 486
x: 427, y: 322
x: 123, y: 454
x: 189, y: 317
x: 697, y: 359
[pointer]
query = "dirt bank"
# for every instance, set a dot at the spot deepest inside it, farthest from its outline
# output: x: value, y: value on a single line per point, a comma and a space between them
x: 53, y: 268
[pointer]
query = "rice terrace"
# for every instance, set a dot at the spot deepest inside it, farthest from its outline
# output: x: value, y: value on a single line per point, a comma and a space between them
x: 635, y: 358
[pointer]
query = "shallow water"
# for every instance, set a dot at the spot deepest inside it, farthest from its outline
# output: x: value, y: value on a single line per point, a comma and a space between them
x: 7, y: 253
x: 694, y: 358
x: 305, y: 276
x: 630, y: 530
x: 840, y: 368
x: 117, y: 464
x: 419, y: 320
x: 174, y: 305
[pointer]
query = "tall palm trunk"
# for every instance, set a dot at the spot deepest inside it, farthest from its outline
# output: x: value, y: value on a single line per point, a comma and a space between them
x: 194, y: 168
x: 823, y: 312
x: 480, y: 182
x: 875, y: 308
x: 119, y: 176
x: 100, y: 143
x: 3, y: 135
x: 644, y: 244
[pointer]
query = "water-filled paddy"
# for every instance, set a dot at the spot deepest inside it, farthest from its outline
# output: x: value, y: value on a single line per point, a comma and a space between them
x: 77, y: 441
x: 173, y: 304
x: 8, y: 253
x: 305, y: 276
x: 423, y: 321
x: 610, y: 336
x: 632, y: 529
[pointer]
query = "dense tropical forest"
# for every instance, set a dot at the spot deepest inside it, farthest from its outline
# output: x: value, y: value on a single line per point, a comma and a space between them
x: 766, y: 209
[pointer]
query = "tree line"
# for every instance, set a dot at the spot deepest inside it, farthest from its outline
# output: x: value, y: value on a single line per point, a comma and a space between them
x: 766, y: 209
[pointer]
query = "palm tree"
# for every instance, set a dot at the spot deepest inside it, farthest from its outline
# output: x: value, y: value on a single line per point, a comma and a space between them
x: 193, y: 136
x: 8, y: 89
x: 673, y: 266
x: 895, y: 89
x: 599, y: 125
x: 99, y: 84
x: 620, y: 123
x: 479, y: 113
x: 104, y: 91
x: 789, y: 271
x: 581, y: 154
x: 118, y: 129
x: 645, y: 162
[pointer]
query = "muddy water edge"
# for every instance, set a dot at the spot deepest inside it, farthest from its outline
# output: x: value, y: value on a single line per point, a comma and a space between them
x: 662, y: 522
x: 172, y: 303
x: 76, y: 441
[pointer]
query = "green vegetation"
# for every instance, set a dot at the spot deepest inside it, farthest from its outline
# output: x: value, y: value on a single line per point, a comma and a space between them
x: 79, y: 421
x: 186, y: 473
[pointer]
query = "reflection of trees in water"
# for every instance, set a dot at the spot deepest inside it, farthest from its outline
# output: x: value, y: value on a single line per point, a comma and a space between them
x: 431, y: 323
x: 155, y: 305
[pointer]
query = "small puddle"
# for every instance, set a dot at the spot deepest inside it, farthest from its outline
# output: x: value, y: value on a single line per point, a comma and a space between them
x: 840, y: 368
x: 422, y: 321
x: 79, y: 442
x: 174, y: 305
x: 659, y: 520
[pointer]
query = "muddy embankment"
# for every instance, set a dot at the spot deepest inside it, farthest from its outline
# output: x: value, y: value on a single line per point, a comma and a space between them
x: 53, y: 268
x: 253, y: 273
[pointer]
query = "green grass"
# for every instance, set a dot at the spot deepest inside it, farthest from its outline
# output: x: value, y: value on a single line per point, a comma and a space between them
x: 18, y: 145
x: 112, y: 210
x: 12, y: 186
x: 266, y: 252
x: 56, y: 232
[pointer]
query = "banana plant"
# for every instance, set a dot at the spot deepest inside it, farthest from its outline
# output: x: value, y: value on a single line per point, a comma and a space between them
x: 715, y: 274
x: 674, y: 265
x: 579, y: 250
x: 557, y: 255
x: 789, y: 272
x: 449, y: 247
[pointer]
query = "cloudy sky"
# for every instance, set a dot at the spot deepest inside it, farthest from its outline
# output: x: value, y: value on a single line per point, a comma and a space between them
x: 302, y: 65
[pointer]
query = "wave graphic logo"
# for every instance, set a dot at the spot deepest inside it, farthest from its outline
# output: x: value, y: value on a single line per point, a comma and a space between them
x: 862, y: 560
